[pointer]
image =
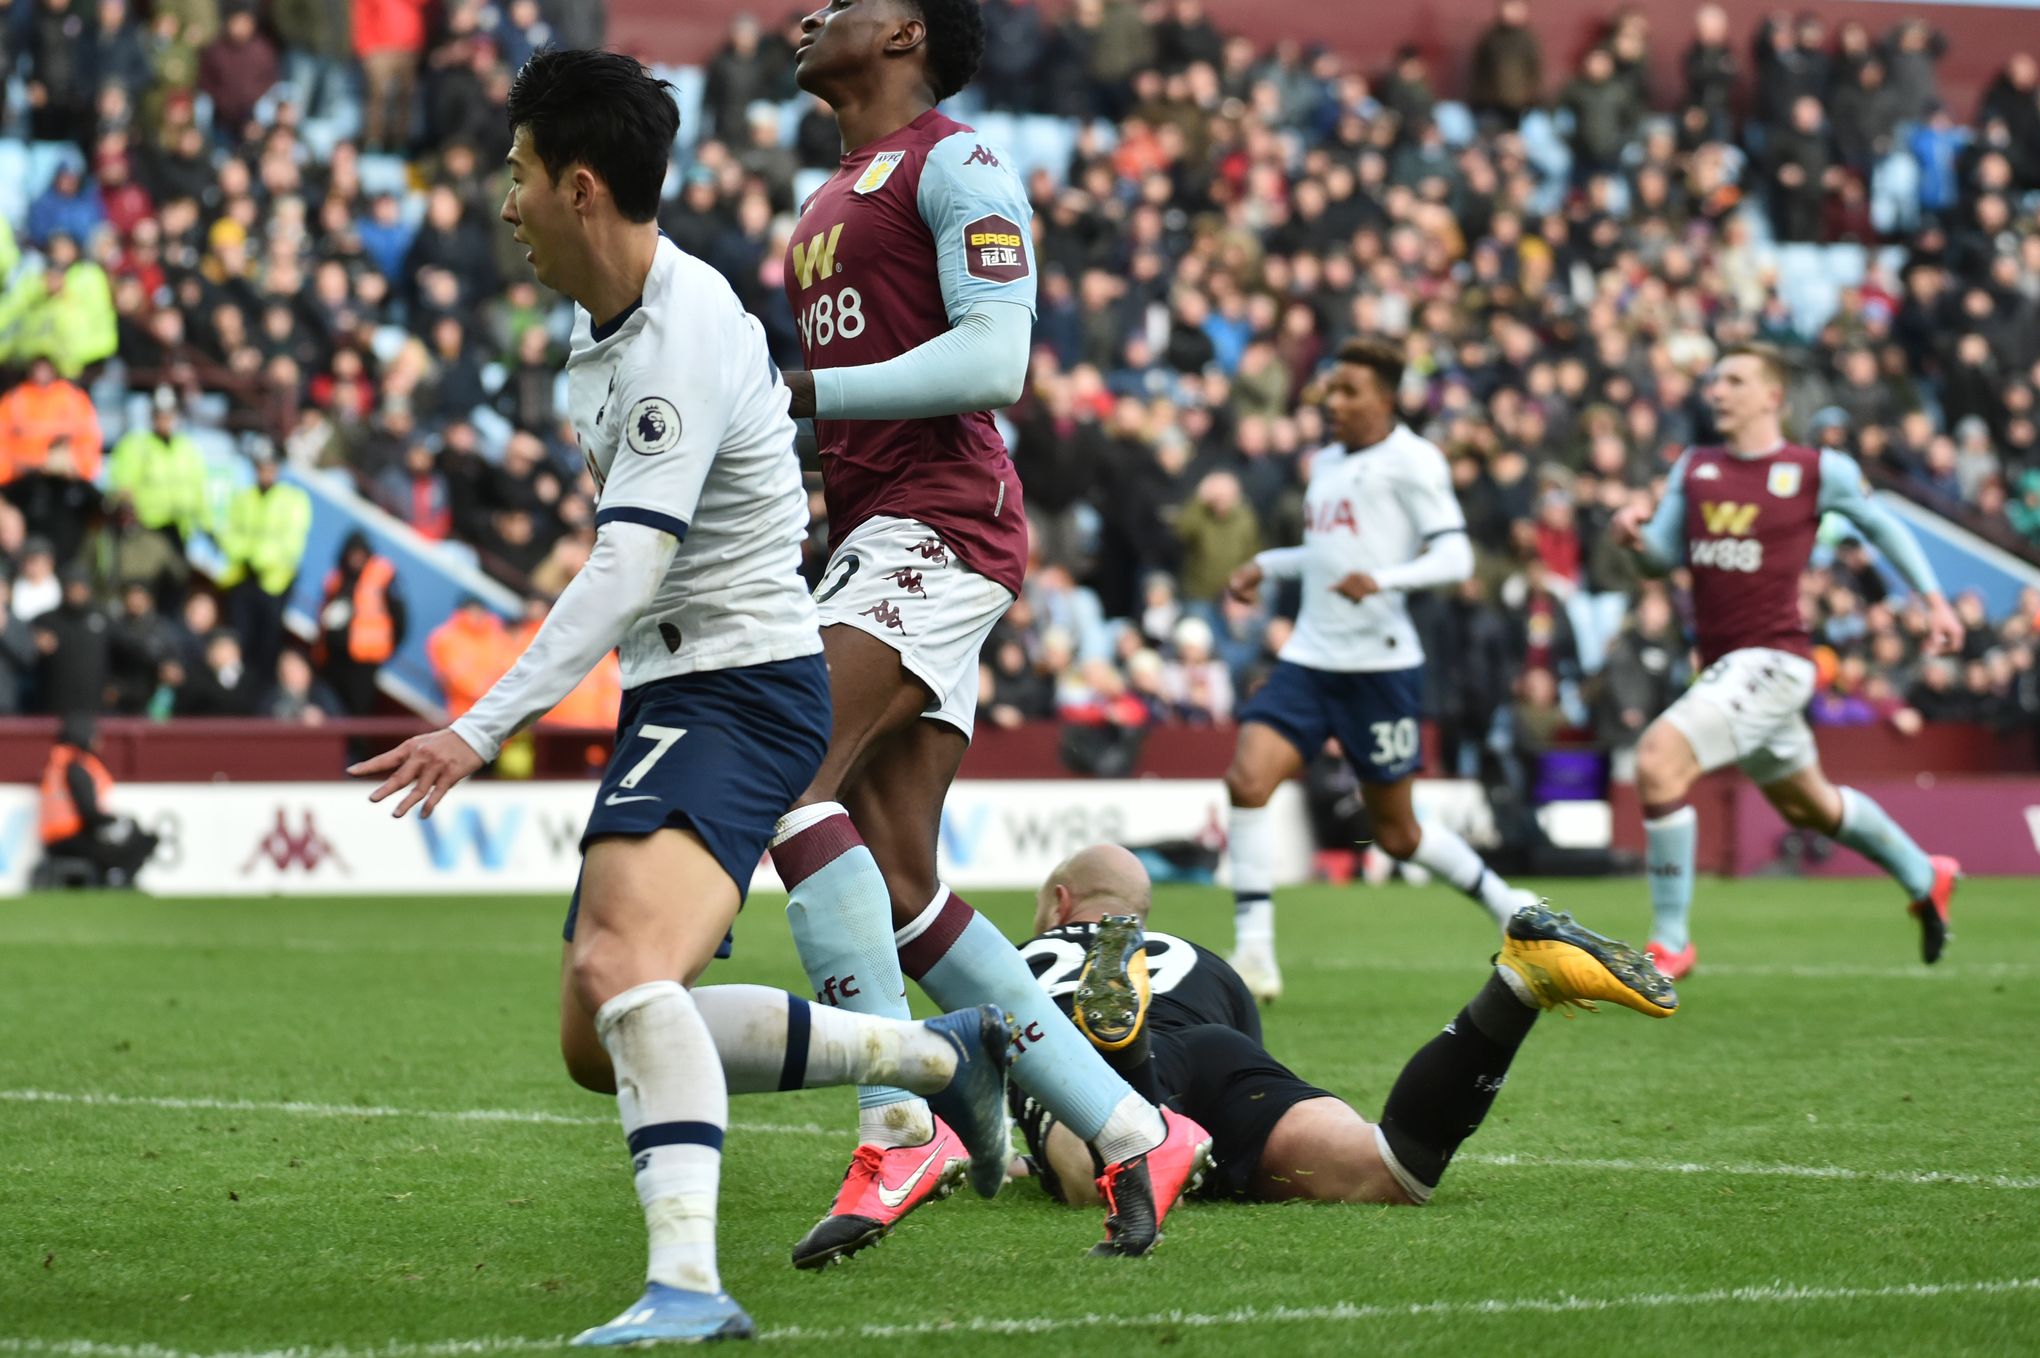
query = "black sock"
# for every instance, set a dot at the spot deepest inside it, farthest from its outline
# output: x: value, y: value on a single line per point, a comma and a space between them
x: 1132, y: 1064
x: 1447, y: 1088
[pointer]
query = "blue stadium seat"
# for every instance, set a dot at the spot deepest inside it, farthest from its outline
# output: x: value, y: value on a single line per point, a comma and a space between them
x: 1455, y: 120
x: 689, y: 82
x: 14, y: 194
x: 381, y: 173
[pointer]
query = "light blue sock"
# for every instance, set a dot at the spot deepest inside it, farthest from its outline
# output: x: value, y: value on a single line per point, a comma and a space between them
x: 961, y: 959
x: 1866, y: 829
x: 841, y: 916
x: 1668, y: 859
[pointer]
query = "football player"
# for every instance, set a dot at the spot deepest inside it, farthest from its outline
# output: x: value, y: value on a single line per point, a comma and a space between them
x: 1181, y: 1025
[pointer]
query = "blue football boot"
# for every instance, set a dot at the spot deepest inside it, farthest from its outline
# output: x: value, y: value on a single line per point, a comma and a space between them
x: 974, y: 1101
x: 669, y: 1315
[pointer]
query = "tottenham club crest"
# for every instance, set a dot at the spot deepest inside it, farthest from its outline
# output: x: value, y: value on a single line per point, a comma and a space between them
x: 653, y: 426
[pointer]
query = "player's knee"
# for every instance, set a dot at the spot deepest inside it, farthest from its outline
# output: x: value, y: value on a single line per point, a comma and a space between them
x: 1247, y: 787
x: 1398, y: 839
x: 1663, y: 772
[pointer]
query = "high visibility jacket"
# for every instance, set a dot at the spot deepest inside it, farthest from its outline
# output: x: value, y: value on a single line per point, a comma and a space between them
x: 467, y: 656
x: 371, y: 632
x: 165, y: 478
x: 32, y: 417
x: 60, y: 816
x: 595, y: 701
x: 264, y: 532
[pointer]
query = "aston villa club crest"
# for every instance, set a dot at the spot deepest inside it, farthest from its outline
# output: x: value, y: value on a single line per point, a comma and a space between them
x: 653, y: 426
x: 875, y: 174
x: 1784, y: 480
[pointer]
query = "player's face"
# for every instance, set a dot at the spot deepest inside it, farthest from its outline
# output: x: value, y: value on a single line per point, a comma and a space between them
x: 533, y: 209
x: 1360, y: 409
x: 842, y: 37
x: 1738, y: 391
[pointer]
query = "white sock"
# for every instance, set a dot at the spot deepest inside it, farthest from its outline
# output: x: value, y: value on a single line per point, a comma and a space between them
x: 669, y: 1091
x: 1444, y: 853
x: 1251, y: 842
x: 770, y: 1040
x: 1134, y: 1127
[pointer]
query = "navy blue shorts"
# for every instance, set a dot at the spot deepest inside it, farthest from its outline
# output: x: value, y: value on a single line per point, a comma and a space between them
x: 1374, y: 713
x: 723, y: 753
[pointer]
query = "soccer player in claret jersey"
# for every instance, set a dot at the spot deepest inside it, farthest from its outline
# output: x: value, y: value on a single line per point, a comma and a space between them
x: 696, y: 572
x: 911, y: 277
x: 1179, y: 1023
x: 1741, y: 518
x: 1380, y: 519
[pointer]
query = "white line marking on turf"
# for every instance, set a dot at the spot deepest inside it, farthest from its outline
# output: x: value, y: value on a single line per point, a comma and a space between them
x: 1883, y: 1176
x: 349, y: 1110
x: 534, y: 1117
x: 1343, y: 1313
x: 1919, y: 971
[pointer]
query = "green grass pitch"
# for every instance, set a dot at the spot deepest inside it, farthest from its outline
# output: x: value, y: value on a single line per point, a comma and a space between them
x: 1831, y: 1149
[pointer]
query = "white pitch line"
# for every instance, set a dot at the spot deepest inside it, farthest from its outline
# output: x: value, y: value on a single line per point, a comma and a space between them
x: 349, y: 1110
x: 1510, y: 1160
x: 1809, y: 971
x: 1338, y: 1313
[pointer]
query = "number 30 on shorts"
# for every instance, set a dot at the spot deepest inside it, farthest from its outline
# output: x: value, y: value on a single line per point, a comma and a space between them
x: 1394, y: 741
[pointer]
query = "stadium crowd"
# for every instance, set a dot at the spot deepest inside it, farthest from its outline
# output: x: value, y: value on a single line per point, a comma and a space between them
x: 1562, y: 256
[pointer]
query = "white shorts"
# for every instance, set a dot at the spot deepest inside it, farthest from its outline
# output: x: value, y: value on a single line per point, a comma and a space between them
x: 1749, y: 709
x: 895, y: 579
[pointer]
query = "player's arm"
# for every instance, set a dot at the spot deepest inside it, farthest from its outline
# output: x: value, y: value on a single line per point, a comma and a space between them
x: 1447, y: 557
x: 977, y: 214
x: 1843, y: 491
x: 1659, y: 539
x: 1277, y: 563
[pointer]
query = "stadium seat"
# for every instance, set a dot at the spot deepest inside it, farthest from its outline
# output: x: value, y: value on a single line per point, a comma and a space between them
x: 14, y: 195
x: 384, y: 174
x: 1455, y: 122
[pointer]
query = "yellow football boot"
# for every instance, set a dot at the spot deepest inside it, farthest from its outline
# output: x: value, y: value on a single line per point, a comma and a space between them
x: 1561, y: 962
x: 1112, y: 992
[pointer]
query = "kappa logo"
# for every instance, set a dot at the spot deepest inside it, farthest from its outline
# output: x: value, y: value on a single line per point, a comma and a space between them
x: 875, y: 174
x: 1707, y: 471
x: 305, y: 849
x: 1726, y: 516
x: 887, y: 616
x: 980, y: 156
x: 931, y: 549
x: 908, y: 579
x: 817, y: 258
x: 995, y: 250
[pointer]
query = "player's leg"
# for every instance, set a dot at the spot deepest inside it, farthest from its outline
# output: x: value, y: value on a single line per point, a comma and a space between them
x: 1444, y: 1092
x: 630, y: 944
x: 1805, y: 798
x: 837, y: 907
x: 1263, y: 759
x: 1282, y: 725
x: 1667, y: 765
x: 1377, y: 722
x: 955, y: 953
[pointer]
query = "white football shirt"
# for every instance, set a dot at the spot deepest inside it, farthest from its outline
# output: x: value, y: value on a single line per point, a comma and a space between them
x: 681, y: 415
x: 1371, y: 510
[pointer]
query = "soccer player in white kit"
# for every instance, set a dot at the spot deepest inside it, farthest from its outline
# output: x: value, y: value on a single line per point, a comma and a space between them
x: 682, y: 417
x: 1380, y: 519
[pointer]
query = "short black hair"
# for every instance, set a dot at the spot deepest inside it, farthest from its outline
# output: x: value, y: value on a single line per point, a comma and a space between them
x: 955, y: 43
x: 603, y: 110
x: 1384, y: 357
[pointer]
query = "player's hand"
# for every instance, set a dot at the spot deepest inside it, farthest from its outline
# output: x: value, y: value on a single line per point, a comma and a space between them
x: 1245, y: 584
x: 428, y: 765
x: 800, y: 388
x: 1357, y: 586
x: 1944, y: 629
x: 1626, y: 527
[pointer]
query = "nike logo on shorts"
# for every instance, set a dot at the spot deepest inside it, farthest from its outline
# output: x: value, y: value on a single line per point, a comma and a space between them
x: 893, y: 1197
x: 613, y: 800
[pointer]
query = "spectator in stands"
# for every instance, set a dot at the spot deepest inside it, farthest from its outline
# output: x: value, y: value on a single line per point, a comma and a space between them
x: 64, y: 312
x: 389, y: 38
x: 43, y: 409
x: 297, y: 695
x: 223, y: 686
x: 469, y: 651
x: 751, y: 67
x: 1508, y: 66
x: 361, y: 623
x: 17, y: 656
x: 77, y: 826
x: 142, y: 642
x: 263, y: 539
x: 1604, y: 110
x: 76, y: 646
x: 37, y: 590
x: 59, y: 84
x: 1196, y: 684
x: 1011, y: 691
x: 1711, y: 74
x: 1219, y: 533
x: 160, y: 472
x: 236, y: 70
x: 57, y: 501
x: 318, y: 52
